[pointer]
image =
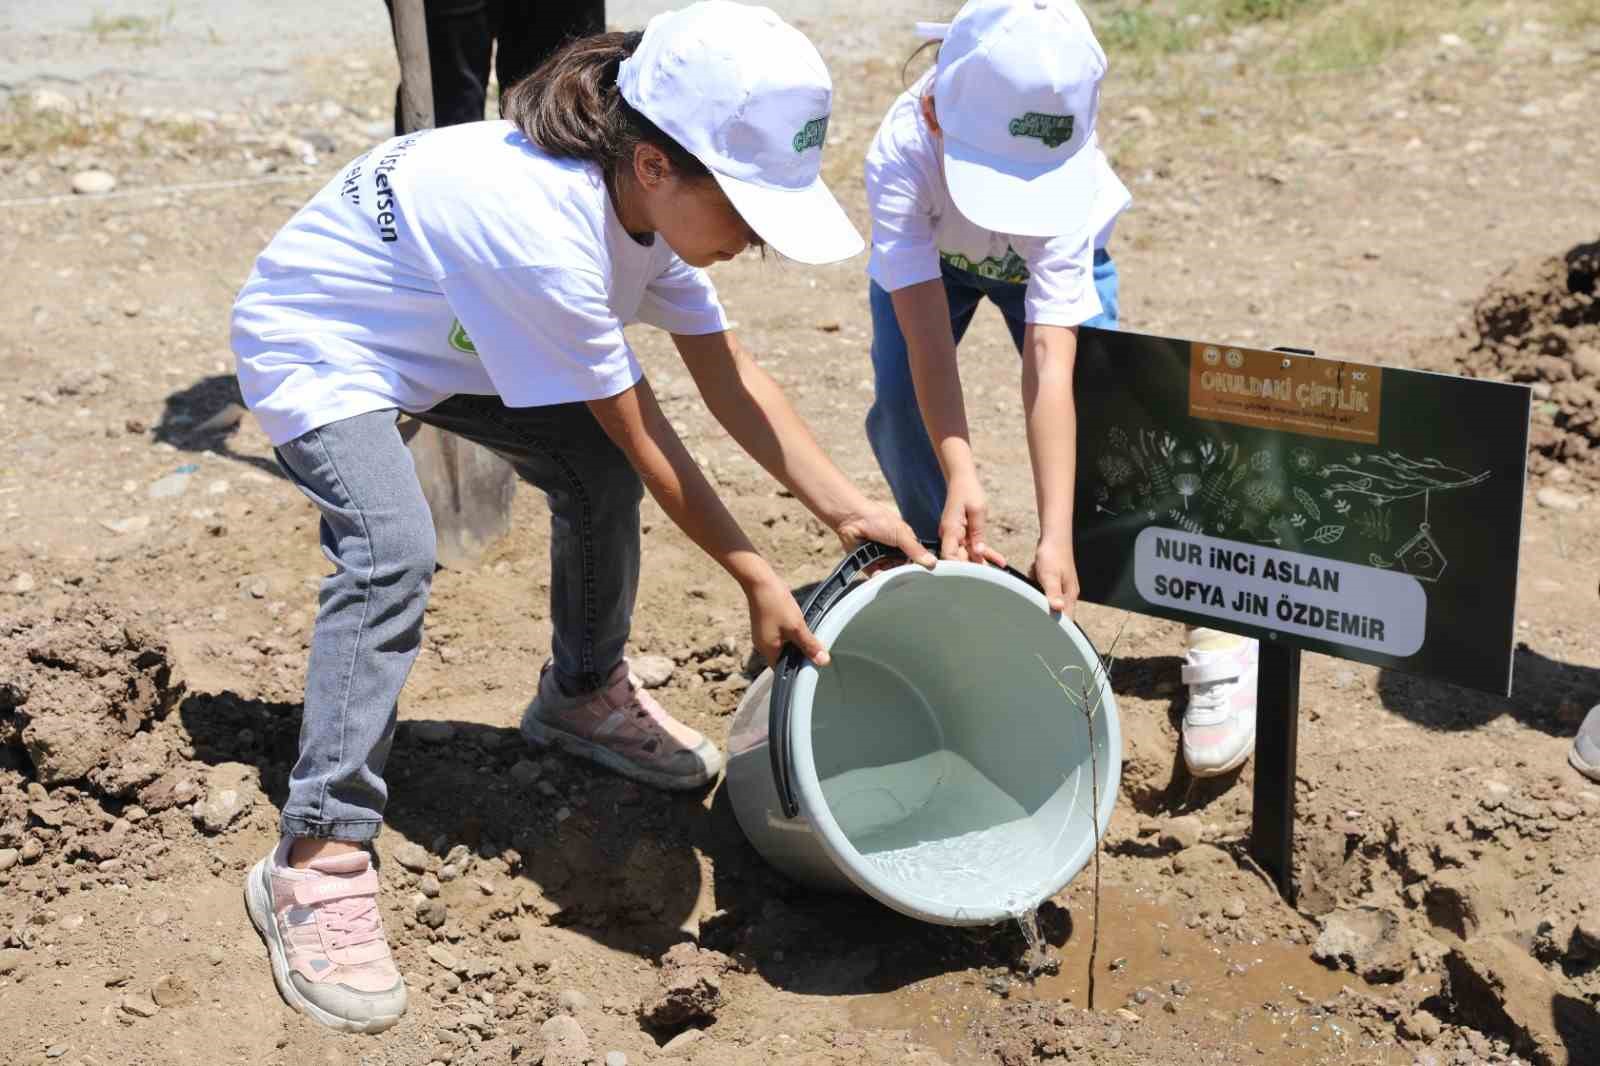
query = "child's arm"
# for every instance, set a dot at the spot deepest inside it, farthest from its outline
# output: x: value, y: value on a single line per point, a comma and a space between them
x: 923, y: 312
x: 636, y: 423
x: 1048, y: 355
x: 754, y: 411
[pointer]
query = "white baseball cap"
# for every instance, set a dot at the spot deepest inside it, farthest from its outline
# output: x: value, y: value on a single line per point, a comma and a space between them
x: 1017, y: 90
x: 747, y: 95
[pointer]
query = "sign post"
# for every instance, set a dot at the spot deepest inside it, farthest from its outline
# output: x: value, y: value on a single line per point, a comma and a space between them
x: 1364, y: 512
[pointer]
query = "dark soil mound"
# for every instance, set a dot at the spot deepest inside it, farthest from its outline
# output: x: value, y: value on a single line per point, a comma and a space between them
x: 1539, y: 323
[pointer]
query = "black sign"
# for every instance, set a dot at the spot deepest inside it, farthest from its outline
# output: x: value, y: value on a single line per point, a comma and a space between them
x: 1368, y: 513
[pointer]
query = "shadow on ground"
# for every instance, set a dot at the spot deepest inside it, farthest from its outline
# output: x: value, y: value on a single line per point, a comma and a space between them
x: 621, y: 864
x: 1547, y: 694
x: 204, y: 416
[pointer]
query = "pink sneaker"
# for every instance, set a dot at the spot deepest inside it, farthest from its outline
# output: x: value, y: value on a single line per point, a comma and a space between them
x: 621, y: 727
x: 325, y: 937
x: 1219, y: 725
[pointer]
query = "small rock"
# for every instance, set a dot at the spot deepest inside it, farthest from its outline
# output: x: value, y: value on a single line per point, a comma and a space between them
x: 429, y: 886
x: 1364, y: 940
x: 1182, y: 833
x: 572, y: 1001
x: 616, y: 1058
x: 443, y: 956
x: 1558, y: 500
x: 174, y: 991
x: 682, y: 1042
x: 93, y: 182
x: 168, y: 487
x: 1181, y: 988
x: 449, y: 872
x: 1127, y: 1015
x: 23, y: 583
x: 565, y: 1043
x: 432, y: 913
x: 525, y: 774
x: 221, y: 808
x: 56, y: 1051
x: 1426, y: 1026
x: 9, y: 857
x: 1000, y: 985
x: 652, y: 671
x: 49, y: 100
x: 433, y: 732
x: 412, y: 856
x: 121, y: 526
x: 1234, y: 908
x: 10, y: 959
x: 140, y: 1006
x: 32, y: 850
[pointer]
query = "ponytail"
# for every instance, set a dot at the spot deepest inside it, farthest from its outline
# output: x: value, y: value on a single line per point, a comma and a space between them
x: 571, y: 108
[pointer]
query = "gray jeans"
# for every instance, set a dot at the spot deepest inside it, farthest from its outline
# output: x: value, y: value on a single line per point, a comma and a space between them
x: 377, y: 531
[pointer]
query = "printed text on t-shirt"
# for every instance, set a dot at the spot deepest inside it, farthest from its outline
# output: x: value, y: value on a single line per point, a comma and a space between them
x: 385, y: 217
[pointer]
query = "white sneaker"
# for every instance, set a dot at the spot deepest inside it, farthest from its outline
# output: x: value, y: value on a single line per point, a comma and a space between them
x: 1219, y: 725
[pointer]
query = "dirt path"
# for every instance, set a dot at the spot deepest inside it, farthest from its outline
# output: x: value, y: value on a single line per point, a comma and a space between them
x: 1361, y: 212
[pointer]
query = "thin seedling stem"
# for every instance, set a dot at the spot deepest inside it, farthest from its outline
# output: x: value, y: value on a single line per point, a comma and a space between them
x: 1087, y: 701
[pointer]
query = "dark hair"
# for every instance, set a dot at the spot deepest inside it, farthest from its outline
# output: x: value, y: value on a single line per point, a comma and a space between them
x: 905, y: 68
x: 570, y: 107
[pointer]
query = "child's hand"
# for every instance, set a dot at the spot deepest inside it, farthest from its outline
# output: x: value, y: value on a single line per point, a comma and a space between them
x: 884, y: 525
x: 776, y: 620
x: 962, y: 524
x: 1057, y: 573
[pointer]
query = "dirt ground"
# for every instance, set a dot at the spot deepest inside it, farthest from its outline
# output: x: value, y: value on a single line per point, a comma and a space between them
x: 1375, y: 181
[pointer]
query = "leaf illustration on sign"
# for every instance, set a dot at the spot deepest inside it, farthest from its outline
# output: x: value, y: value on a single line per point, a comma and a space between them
x: 1308, y: 503
x: 1397, y: 478
x: 1327, y: 535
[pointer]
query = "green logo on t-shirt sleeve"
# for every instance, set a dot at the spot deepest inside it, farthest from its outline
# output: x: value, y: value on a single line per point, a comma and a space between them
x: 1053, y: 130
x: 812, y: 134
x: 459, y: 339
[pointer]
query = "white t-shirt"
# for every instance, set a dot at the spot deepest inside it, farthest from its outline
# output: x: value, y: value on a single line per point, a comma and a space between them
x: 457, y: 260
x: 915, y: 224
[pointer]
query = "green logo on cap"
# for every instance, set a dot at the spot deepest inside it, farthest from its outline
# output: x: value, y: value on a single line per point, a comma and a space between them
x: 1053, y: 130
x: 811, y: 135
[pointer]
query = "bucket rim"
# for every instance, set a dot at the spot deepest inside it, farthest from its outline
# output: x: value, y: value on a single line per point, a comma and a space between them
x: 814, y: 807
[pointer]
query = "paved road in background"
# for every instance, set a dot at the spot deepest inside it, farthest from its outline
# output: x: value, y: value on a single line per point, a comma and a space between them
x: 232, y: 54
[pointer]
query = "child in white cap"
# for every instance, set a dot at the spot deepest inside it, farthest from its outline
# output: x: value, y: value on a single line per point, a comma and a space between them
x: 986, y: 179
x: 479, y: 278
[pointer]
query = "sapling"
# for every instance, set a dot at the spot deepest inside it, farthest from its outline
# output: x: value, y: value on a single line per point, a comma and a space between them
x: 1086, y: 698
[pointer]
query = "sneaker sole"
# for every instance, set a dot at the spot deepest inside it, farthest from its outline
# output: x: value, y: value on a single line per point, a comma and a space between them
x: 1582, y: 765
x: 541, y: 735
x: 257, y: 902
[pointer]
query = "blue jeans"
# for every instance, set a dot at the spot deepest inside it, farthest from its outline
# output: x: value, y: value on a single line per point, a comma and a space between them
x: 378, y: 532
x: 894, y: 424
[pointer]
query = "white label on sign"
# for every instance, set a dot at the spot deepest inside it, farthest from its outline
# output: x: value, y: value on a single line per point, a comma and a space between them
x: 1341, y: 603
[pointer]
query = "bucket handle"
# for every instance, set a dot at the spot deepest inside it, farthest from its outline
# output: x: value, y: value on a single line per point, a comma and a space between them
x: 790, y: 661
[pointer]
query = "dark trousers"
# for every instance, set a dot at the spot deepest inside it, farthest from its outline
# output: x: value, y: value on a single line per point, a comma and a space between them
x: 461, y: 34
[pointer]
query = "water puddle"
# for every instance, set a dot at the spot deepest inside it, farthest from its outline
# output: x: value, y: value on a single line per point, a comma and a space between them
x: 1264, y: 996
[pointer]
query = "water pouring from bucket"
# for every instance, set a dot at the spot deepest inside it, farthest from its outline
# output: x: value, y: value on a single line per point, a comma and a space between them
x: 933, y: 765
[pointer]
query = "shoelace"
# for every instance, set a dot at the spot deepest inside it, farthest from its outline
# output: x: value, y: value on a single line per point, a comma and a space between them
x: 1208, y: 703
x: 352, y: 921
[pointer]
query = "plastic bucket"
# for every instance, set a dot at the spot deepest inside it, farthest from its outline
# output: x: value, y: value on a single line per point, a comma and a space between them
x: 934, y: 764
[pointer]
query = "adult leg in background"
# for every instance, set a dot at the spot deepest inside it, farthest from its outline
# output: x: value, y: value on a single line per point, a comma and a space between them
x: 527, y: 32
x: 460, y: 36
